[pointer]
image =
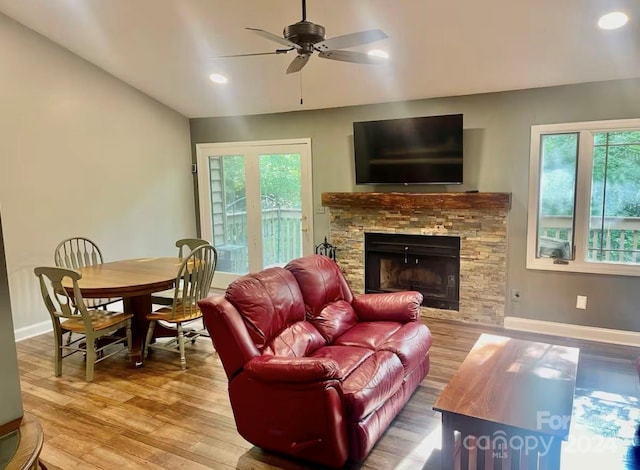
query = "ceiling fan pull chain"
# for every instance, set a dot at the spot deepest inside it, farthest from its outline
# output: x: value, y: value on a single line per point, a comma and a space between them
x: 301, y: 100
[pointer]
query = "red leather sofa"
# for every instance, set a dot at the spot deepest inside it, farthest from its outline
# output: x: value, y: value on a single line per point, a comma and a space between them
x: 315, y: 372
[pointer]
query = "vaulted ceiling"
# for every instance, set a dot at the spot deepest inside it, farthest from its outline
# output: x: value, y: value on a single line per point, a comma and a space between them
x: 437, y: 48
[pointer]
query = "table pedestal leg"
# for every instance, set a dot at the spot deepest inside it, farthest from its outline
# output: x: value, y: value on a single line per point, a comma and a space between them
x: 140, y: 307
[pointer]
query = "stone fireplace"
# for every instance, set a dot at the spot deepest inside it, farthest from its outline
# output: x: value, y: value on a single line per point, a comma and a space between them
x: 476, y: 221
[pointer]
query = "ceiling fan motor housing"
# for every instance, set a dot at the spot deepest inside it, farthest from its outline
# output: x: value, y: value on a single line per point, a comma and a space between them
x: 304, y: 33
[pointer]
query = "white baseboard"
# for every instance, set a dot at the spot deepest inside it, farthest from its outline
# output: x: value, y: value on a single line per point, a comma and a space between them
x: 33, y: 330
x: 591, y: 333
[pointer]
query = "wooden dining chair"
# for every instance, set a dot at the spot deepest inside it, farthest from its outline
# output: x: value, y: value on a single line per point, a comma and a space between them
x: 79, y: 252
x: 195, y: 275
x: 185, y: 246
x: 69, y: 313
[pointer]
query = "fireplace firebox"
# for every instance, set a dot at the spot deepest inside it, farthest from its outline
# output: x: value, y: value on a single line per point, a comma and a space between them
x: 428, y: 264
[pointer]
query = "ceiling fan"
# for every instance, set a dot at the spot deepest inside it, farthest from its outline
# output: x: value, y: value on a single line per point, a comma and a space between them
x: 305, y: 38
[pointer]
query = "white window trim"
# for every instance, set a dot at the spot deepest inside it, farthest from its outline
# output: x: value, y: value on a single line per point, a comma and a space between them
x: 583, y: 187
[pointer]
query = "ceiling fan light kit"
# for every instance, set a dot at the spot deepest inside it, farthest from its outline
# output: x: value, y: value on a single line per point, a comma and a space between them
x: 306, y: 38
x: 613, y: 20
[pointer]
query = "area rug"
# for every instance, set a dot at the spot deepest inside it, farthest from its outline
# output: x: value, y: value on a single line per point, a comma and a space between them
x: 606, y: 414
x: 602, y: 431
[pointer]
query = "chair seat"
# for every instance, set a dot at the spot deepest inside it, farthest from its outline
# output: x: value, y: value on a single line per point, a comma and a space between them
x: 180, y: 315
x: 100, y: 320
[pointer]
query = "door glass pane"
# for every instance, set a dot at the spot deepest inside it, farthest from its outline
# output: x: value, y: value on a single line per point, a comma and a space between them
x: 615, y: 198
x: 229, y: 213
x: 558, y: 164
x: 281, y: 208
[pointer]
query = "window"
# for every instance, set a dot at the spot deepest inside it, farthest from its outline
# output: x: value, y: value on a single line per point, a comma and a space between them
x: 584, y: 197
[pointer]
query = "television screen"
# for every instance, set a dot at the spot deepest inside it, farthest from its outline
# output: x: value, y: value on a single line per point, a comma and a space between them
x: 422, y: 150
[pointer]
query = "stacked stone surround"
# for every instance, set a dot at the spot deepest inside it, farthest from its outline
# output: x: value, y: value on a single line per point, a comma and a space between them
x: 483, y: 249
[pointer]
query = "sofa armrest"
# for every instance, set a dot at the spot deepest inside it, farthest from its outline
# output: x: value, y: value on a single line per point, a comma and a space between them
x: 228, y: 333
x: 402, y: 307
x: 291, y: 369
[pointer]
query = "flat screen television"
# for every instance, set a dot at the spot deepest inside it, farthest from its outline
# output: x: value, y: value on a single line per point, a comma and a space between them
x: 420, y: 150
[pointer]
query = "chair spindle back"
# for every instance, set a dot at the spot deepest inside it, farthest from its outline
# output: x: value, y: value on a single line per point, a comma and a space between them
x: 189, y: 243
x: 196, y: 274
x: 59, y: 301
x: 77, y: 252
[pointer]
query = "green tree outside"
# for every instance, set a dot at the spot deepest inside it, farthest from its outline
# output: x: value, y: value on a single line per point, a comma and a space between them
x: 279, y: 181
x: 616, y: 167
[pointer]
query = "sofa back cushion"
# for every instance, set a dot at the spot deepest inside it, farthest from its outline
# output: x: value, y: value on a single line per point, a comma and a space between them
x: 327, y: 296
x: 268, y: 301
x: 299, y: 339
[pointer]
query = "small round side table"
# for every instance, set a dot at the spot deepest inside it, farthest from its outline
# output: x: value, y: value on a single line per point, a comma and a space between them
x: 23, y: 446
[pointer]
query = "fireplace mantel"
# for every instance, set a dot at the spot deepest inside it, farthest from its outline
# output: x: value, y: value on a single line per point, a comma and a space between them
x: 418, y: 200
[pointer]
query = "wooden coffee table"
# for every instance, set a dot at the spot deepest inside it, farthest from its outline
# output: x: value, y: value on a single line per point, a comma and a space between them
x: 509, y: 405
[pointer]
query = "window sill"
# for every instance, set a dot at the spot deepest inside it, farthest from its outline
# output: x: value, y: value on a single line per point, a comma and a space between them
x: 612, y: 269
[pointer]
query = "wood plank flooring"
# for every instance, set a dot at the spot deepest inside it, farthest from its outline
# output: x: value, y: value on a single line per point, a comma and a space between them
x: 162, y: 417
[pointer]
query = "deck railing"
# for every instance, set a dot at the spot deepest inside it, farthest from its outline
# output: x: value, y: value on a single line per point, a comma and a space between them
x: 617, y: 239
x: 281, y: 239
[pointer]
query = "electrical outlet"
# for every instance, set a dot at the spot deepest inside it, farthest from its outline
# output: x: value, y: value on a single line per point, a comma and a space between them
x: 320, y: 210
x: 581, y: 302
x: 515, y: 295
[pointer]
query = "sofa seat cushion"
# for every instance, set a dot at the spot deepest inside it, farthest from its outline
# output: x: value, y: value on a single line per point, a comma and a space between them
x: 368, y: 334
x: 371, y: 384
x: 348, y: 358
x: 410, y: 343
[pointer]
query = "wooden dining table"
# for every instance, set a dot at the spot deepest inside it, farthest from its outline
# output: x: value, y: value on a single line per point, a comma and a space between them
x: 134, y: 280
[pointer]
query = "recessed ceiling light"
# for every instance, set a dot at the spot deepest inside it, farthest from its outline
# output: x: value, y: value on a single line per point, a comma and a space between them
x: 378, y: 53
x: 218, y: 78
x: 613, y: 20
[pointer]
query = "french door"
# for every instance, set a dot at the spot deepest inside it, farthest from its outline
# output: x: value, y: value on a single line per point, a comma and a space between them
x: 255, y: 204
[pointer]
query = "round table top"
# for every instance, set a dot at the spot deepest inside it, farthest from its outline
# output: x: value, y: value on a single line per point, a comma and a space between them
x: 127, y: 278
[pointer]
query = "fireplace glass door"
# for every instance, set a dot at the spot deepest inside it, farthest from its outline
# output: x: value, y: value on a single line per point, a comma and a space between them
x: 427, y: 264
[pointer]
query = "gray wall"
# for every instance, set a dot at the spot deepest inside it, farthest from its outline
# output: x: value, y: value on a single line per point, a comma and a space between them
x: 82, y: 154
x: 497, y: 132
x: 11, y: 402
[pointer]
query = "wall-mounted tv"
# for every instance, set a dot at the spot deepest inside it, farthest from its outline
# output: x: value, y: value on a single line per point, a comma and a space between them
x: 420, y: 150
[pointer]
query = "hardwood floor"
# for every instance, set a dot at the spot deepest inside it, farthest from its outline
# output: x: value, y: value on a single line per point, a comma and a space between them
x: 162, y: 417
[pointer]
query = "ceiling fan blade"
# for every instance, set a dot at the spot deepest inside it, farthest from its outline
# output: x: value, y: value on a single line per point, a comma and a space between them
x: 274, y: 37
x: 351, y: 56
x: 249, y: 55
x: 350, y: 40
x: 297, y: 63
